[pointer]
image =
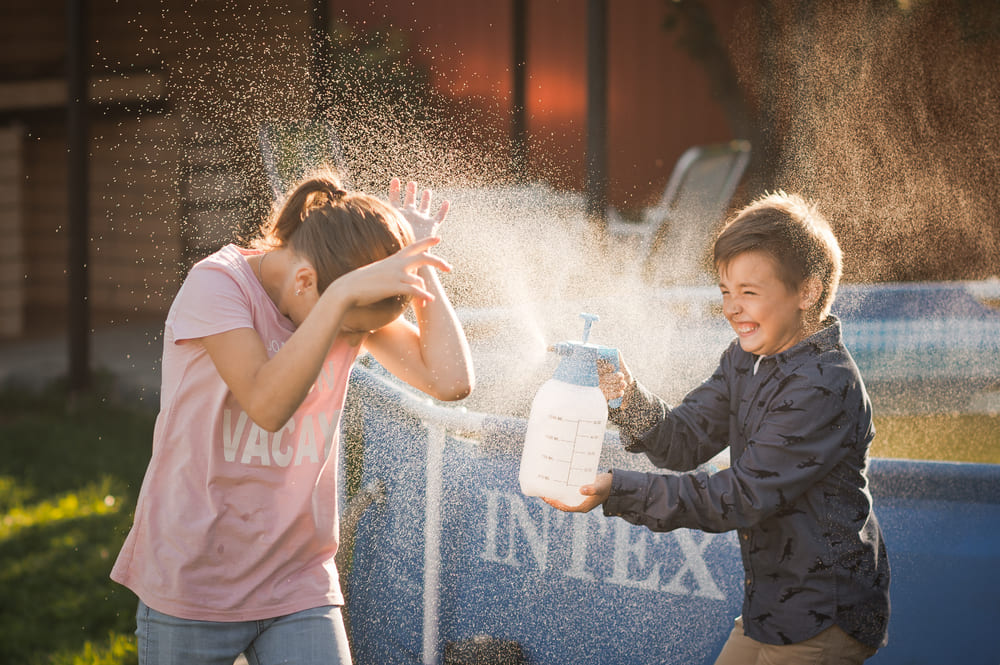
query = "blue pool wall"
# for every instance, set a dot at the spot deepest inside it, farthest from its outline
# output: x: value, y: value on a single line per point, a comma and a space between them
x: 585, y: 588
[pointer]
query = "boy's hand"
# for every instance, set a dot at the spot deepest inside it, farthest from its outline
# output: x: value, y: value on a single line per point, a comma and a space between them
x: 594, y: 495
x: 424, y: 226
x: 613, y: 382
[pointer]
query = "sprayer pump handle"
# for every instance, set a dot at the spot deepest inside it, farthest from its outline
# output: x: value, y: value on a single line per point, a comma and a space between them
x: 588, y: 320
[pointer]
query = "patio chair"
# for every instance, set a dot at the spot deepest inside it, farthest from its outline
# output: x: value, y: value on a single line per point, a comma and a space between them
x: 291, y: 148
x: 673, y: 235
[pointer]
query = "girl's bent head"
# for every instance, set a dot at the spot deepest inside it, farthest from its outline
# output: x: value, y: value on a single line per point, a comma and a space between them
x: 335, y: 230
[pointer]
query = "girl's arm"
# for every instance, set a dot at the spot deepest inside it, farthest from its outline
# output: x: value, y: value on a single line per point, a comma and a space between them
x: 271, y: 389
x: 434, y: 355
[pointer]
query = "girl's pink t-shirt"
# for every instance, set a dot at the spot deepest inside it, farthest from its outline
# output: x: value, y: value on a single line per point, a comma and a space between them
x: 234, y: 523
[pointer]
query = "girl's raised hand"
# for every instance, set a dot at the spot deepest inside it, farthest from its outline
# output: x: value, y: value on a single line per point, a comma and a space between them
x: 418, y: 215
x: 394, y: 275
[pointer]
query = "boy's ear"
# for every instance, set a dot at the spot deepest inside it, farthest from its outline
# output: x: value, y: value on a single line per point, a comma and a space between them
x: 810, y: 293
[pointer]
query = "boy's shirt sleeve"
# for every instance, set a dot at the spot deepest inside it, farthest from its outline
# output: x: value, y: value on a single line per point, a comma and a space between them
x: 677, y: 438
x: 804, y: 431
x: 644, y: 411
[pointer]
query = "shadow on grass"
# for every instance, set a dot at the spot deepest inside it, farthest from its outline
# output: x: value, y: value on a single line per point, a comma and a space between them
x: 70, y: 473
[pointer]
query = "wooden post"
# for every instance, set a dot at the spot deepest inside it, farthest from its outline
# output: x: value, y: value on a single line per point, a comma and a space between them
x: 597, y: 112
x: 77, y: 199
x: 519, y: 97
x: 320, y: 65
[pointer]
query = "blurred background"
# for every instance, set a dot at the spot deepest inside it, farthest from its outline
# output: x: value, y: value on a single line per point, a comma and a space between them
x: 883, y: 111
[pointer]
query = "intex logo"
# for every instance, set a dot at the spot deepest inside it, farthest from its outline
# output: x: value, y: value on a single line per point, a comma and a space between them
x: 641, y: 559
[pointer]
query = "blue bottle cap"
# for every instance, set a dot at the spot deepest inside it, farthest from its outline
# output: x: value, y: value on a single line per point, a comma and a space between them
x: 579, y: 363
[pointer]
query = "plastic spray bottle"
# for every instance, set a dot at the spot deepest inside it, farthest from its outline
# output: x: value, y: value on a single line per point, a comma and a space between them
x: 567, y: 423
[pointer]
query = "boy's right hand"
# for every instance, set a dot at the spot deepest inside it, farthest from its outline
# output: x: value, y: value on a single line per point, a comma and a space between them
x: 613, y: 382
x: 593, y: 495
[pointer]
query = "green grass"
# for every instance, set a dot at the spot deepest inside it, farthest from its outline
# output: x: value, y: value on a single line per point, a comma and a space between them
x: 69, y: 478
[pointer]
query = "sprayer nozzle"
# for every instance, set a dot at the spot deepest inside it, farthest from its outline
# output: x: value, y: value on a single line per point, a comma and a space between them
x: 562, y: 348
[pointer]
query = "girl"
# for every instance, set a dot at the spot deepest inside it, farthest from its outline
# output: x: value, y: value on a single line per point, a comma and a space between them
x: 236, y: 527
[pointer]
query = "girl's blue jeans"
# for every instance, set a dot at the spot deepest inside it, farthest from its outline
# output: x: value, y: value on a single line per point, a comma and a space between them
x: 310, y: 637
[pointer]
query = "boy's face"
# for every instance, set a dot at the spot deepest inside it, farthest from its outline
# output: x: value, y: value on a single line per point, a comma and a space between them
x: 767, y: 316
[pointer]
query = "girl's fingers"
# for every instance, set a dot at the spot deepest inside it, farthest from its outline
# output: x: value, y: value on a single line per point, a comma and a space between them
x: 425, y: 201
x: 422, y: 295
x: 442, y: 211
x: 419, y: 246
x: 412, y: 285
x: 394, y: 196
x: 434, y: 261
x: 408, y: 199
x: 400, y: 280
x: 416, y: 254
x: 417, y: 285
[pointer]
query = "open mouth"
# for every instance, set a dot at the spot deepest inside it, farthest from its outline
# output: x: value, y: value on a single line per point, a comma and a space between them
x: 744, y: 329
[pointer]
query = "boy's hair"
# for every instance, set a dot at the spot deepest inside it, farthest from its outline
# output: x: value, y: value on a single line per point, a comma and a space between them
x: 336, y: 230
x: 792, y: 232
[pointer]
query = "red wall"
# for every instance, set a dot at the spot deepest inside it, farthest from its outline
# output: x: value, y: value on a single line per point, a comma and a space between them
x: 658, y: 104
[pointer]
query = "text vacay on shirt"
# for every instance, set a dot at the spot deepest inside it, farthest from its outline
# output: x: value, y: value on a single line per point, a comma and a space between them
x: 297, y: 442
x: 302, y: 440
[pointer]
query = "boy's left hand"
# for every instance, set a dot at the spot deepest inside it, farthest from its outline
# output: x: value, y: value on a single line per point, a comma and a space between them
x: 418, y: 215
x: 593, y: 495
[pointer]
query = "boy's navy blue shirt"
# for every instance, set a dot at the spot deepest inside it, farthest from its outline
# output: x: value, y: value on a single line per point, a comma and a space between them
x: 799, y: 426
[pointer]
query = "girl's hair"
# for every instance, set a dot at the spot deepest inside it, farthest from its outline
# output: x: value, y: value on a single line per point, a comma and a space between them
x: 335, y: 230
x: 793, y: 233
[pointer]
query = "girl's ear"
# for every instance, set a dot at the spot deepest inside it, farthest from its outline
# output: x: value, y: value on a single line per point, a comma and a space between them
x: 305, y: 278
x: 810, y: 293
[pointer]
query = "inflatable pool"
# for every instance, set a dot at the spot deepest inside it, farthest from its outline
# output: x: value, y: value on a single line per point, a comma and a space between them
x: 447, y: 552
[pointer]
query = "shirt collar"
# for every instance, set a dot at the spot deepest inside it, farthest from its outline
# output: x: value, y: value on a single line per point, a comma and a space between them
x: 827, y: 338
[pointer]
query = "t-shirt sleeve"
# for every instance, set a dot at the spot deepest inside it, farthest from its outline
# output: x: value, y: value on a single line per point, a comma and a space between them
x: 209, y: 302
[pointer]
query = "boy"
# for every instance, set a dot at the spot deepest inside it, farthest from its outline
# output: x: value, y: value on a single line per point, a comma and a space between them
x: 788, y: 400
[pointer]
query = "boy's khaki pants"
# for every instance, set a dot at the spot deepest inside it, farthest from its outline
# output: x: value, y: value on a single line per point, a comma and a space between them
x: 831, y: 647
